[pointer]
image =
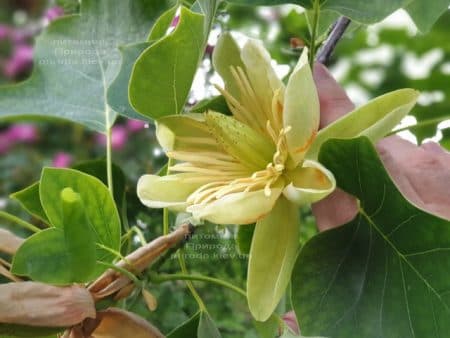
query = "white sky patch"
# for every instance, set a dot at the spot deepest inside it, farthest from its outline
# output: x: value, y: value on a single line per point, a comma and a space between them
x: 444, y: 124
x: 445, y: 68
x: 372, y: 77
x: 398, y: 19
x: 357, y: 94
x: 420, y: 67
x: 428, y: 98
x: 274, y: 30
x: 340, y: 69
x: 382, y: 55
x: 407, y: 135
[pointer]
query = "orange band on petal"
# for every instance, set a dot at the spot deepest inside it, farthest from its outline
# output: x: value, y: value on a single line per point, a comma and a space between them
x: 307, y: 144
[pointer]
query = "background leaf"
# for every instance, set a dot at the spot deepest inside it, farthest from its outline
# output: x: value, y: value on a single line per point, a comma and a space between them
x: 424, y: 13
x: 118, y: 91
x: 386, y: 273
x: 30, y: 201
x: 76, y: 60
x: 187, y: 329
x: 206, y: 327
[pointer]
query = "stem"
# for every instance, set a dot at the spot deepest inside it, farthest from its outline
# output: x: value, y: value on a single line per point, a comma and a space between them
x: 165, y: 210
x: 109, y: 161
x: 421, y: 124
x: 325, y: 52
x: 315, y: 25
x: 178, y: 276
x: 18, y: 221
x: 189, y: 284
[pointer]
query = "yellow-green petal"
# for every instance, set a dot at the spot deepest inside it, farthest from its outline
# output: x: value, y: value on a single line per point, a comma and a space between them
x: 238, y: 208
x: 240, y: 141
x: 273, y: 252
x: 169, y: 191
x: 309, y: 183
x: 226, y: 55
x: 184, y: 132
x: 374, y: 119
x: 301, y: 109
x: 260, y: 72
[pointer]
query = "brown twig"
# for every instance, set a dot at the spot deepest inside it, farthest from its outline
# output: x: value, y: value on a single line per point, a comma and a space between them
x: 112, y: 281
x: 339, y: 27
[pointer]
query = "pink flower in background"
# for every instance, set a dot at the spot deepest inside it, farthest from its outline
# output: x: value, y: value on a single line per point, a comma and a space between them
x: 5, y: 143
x: 135, y: 125
x: 54, y: 13
x: 175, y: 21
x: 62, y: 160
x: 21, y: 60
x: 26, y: 133
x: 5, y: 32
x: 119, y: 136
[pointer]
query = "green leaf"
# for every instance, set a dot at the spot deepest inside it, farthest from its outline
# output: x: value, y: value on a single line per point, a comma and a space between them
x: 374, y: 119
x: 76, y: 60
x: 159, y: 29
x: 100, y: 209
x: 30, y: 201
x: 206, y: 327
x: 216, y: 103
x: 273, y: 252
x: 384, y: 274
x: 79, y: 236
x: 244, y: 237
x: 15, y: 330
x: 187, y: 329
x: 426, y: 13
x: 358, y: 10
x: 60, y: 255
x: 44, y: 258
x: 163, y: 74
x: 118, y: 90
x: 269, y: 328
x: 97, y: 168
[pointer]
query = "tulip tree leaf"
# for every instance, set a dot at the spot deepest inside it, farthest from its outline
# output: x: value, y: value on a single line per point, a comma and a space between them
x: 97, y: 168
x: 268, y: 329
x: 384, y: 274
x: 60, y: 255
x: 424, y: 13
x: 206, y: 327
x: 30, y: 201
x: 16, y: 330
x: 163, y: 74
x: 159, y: 29
x: 118, y: 91
x: 273, y: 252
x: 100, y: 209
x: 374, y: 119
x: 75, y: 61
x: 244, y: 237
x: 187, y: 329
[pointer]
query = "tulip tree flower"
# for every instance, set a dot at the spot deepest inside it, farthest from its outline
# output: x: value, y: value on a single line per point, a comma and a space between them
x: 258, y: 165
